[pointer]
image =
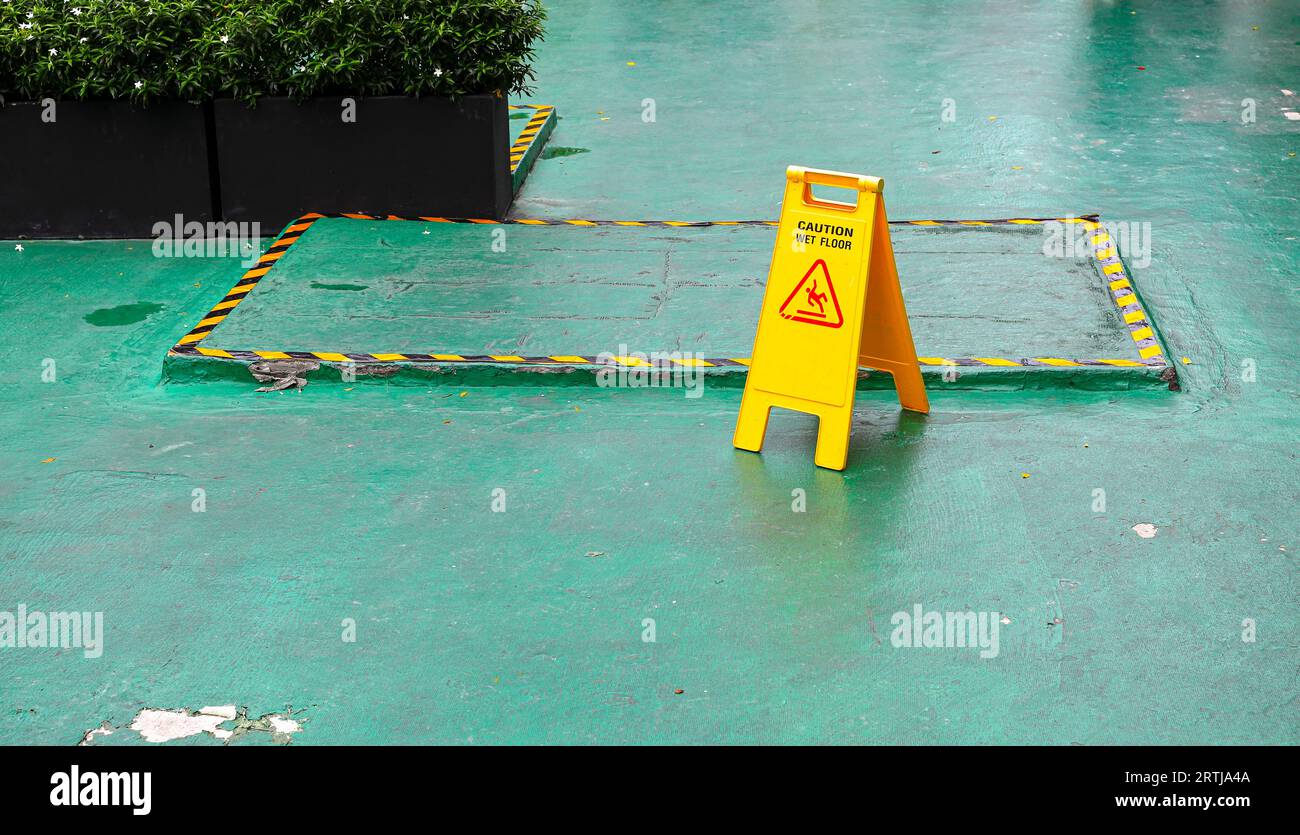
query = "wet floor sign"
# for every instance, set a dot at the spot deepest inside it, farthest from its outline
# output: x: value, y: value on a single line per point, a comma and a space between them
x: 832, y: 303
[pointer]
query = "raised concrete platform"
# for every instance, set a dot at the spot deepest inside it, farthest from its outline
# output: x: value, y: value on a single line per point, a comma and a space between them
x: 982, y: 298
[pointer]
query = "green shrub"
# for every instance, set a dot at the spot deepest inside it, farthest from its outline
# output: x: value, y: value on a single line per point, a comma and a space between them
x: 194, y: 50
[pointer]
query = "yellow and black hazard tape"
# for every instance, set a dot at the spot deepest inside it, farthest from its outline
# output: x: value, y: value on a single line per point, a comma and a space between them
x: 1149, y: 351
x: 245, y: 285
x: 1105, y: 250
x: 689, y: 224
x: 534, y: 133
x: 649, y: 361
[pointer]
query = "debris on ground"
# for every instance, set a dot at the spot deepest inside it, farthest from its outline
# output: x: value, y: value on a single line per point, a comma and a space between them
x: 377, y: 370
x: 282, y: 374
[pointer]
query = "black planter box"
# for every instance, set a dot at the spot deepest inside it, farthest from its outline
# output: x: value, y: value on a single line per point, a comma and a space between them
x: 402, y: 155
x: 101, y: 169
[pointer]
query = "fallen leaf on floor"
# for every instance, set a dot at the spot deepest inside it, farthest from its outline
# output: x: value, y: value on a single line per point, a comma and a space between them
x: 1024, y: 475
x: 595, y: 553
x: 464, y: 394
x: 47, y: 460
x: 1146, y: 530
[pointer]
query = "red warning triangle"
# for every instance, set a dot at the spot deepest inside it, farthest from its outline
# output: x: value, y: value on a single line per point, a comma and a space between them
x: 814, y: 301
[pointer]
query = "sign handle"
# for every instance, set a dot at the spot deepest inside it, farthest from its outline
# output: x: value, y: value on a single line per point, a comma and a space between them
x: 817, y: 177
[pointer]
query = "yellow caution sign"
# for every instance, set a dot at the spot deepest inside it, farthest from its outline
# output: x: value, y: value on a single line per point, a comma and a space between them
x: 832, y: 303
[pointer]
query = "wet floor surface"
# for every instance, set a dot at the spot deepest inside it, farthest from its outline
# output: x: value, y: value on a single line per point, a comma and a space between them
x: 449, y: 563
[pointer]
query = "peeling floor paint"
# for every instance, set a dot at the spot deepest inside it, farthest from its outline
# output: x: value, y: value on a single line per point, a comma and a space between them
x: 225, y: 711
x: 166, y: 725
x: 223, y: 722
x: 1146, y: 530
x: 282, y: 725
x: 103, y: 730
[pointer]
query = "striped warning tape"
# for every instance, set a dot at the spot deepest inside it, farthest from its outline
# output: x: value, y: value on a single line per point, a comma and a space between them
x: 561, y: 360
x: 539, y: 125
x: 246, y: 283
x: 689, y: 224
x: 1150, y: 353
x: 1124, y: 295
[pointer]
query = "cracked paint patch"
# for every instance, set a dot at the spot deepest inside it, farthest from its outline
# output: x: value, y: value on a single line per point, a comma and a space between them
x: 166, y: 725
x: 283, y: 725
x: 103, y: 730
x: 222, y: 722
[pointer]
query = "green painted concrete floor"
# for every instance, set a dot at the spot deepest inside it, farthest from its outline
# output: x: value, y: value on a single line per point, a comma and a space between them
x: 374, y: 502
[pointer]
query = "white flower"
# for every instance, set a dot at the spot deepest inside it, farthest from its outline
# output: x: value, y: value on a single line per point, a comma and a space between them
x: 18, y: 247
x: 438, y: 73
x: 225, y: 38
x: 24, y: 26
x: 139, y: 84
x: 83, y: 40
x: 54, y: 52
x: 76, y: 12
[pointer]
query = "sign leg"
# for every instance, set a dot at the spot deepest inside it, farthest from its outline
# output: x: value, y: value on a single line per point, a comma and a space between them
x: 886, y: 335
x: 751, y: 424
x: 911, y: 390
x: 833, y: 438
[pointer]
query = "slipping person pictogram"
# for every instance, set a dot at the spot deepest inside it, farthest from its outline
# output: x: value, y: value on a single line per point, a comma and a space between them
x: 814, y: 311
